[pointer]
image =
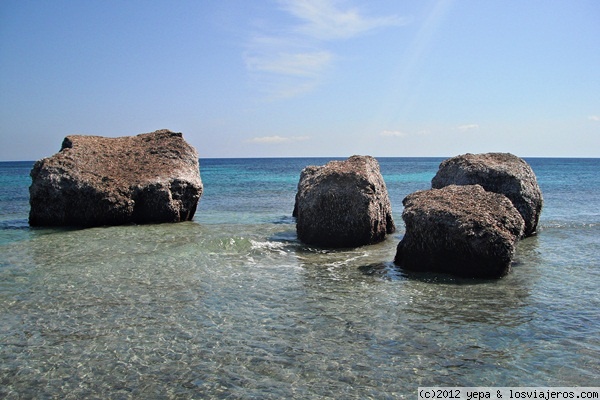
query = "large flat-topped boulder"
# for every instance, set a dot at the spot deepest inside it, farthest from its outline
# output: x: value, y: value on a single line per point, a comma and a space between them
x: 460, y: 230
x: 94, y: 180
x: 343, y: 204
x: 502, y: 173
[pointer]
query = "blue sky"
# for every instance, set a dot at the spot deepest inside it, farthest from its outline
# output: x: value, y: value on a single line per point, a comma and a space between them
x: 304, y: 77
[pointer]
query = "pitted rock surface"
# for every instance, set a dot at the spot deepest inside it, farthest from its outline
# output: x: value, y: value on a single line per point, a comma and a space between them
x: 343, y: 204
x: 502, y: 173
x: 94, y: 180
x: 460, y: 230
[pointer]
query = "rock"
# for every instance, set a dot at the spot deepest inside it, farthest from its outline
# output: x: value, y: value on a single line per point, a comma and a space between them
x: 500, y: 173
x: 93, y: 180
x: 343, y: 204
x: 460, y: 230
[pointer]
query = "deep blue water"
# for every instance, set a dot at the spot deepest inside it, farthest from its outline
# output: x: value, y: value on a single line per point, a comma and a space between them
x: 231, y: 305
x: 263, y: 190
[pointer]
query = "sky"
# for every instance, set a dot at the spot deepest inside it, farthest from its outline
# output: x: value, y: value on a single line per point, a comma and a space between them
x: 304, y: 78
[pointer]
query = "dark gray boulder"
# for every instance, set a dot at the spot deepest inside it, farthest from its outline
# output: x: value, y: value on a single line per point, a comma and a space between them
x: 460, y: 230
x: 500, y: 173
x: 343, y: 204
x: 93, y: 181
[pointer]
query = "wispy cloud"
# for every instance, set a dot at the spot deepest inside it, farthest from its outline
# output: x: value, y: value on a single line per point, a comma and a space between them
x: 467, y: 127
x: 325, y: 20
x: 594, y: 118
x: 277, y: 139
x: 403, y: 133
x: 294, y: 59
x: 294, y: 64
x: 393, y: 133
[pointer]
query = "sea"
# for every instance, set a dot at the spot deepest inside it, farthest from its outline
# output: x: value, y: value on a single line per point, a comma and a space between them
x: 232, y: 306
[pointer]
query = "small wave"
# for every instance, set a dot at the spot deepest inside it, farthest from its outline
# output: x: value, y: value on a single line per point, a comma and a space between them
x: 346, y: 261
x: 567, y: 225
x: 277, y: 247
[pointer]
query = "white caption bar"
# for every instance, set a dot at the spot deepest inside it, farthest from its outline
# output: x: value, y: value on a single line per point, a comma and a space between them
x: 508, y: 393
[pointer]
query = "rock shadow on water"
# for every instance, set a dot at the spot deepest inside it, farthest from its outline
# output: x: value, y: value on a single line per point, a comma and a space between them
x: 14, y: 224
x: 38, y: 231
x: 284, y: 220
x: 290, y: 238
x: 285, y: 236
x: 392, y: 272
x: 384, y: 270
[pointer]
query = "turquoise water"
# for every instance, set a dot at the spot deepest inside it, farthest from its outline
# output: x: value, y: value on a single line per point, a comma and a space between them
x: 232, y: 306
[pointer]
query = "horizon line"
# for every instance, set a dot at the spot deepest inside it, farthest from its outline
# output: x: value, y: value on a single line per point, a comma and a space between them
x: 345, y: 157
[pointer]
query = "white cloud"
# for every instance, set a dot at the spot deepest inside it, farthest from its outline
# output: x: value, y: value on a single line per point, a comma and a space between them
x: 277, y: 139
x: 393, y: 133
x: 295, y: 64
x: 325, y: 20
x: 594, y: 118
x: 467, y: 127
x: 293, y: 59
x: 287, y: 88
x: 399, y: 133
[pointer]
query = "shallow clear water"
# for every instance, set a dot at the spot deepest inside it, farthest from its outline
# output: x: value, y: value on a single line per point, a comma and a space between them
x: 231, y: 305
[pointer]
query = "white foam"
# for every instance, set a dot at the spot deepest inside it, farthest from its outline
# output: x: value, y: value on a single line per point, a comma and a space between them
x: 278, y: 247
